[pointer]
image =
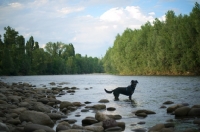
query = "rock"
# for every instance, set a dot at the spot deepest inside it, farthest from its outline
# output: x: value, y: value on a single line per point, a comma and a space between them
x: 195, y: 106
x: 77, y: 127
x: 103, y: 101
x: 99, y: 106
x: 14, y: 121
x: 3, y: 102
x: 141, y: 114
x: 139, y: 130
x: 157, y: 127
x: 36, y: 117
x: 182, y: 111
x: 84, y: 110
x: 194, y: 112
x: 167, y: 130
x: 3, y: 97
x: 14, y: 99
x: 65, y: 104
x: 55, y: 116
x: 78, y: 104
x: 76, y: 130
x: 12, y: 115
x: 63, y: 126
x: 3, y: 127
x: 34, y: 127
x: 108, y: 123
x: 94, y: 128
x: 169, y: 125
x: 141, y: 122
x: 100, y: 116
x: 163, y: 107
x: 111, y: 109
x: 116, y: 117
x: 190, y: 130
x: 168, y: 102
x: 24, y: 104
x: 40, y: 130
x: 196, y: 121
x: 52, y: 83
x: 38, y: 106
x: 18, y: 110
x: 87, y: 102
x: 145, y: 111
x: 70, y: 121
x: 89, y: 121
x: 122, y: 125
x: 172, y: 108
x: 43, y: 100
x: 114, y: 129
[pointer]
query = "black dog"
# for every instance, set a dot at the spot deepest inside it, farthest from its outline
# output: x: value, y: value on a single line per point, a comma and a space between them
x: 124, y: 90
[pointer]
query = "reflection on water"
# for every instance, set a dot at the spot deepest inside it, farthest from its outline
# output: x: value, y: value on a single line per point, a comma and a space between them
x: 150, y: 93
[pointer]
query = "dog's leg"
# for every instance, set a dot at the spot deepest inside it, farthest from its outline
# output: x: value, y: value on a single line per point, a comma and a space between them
x: 116, y: 94
x: 130, y: 97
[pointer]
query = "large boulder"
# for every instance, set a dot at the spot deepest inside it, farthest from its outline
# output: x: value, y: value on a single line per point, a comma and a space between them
x: 194, y: 112
x: 36, y: 117
x: 183, y: 111
x: 89, y: 121
x: 18, y: 110
x: 94, y: 128
x: 38, y: 106
x: 100, y: 116
x: 34, y: 127
x: 65, y: 104
x: 14, y: 99
x: 172, y: 108
x: 108, y: 123
x: 157, y: 127
x: 99, y: 106
x: 145, y: 111
x: 63, y: 126
x: 56, y: 116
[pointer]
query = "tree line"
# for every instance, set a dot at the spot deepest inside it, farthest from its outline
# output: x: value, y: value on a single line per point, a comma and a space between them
x: 170, y: 47
x: 20, y: 58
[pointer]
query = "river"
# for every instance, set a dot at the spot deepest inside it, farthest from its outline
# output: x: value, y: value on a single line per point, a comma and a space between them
x: 150, y: 93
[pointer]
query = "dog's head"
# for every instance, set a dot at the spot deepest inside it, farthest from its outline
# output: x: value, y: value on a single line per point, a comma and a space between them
x: 134, y: 82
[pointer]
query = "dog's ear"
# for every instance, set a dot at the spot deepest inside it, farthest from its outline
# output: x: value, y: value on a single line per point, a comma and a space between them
x: 136, y: 81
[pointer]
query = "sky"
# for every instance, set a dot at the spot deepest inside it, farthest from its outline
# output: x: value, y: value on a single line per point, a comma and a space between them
x: 90, y: 25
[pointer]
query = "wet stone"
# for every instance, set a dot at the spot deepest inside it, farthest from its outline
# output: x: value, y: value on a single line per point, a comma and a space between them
x: 111, y: 109
x: 84, y: 110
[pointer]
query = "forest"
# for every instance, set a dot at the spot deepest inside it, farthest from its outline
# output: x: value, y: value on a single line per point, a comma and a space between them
x: 20, y: 58
x: 170, y: 47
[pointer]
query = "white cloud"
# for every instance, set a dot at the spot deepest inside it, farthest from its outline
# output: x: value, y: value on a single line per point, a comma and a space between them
x: 67, y: 10
x: 72, y: 23
x: 15, y: 5
x: 152, y: 13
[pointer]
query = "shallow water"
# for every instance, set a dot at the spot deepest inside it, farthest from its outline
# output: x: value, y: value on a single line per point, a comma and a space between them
x: 150, y: 93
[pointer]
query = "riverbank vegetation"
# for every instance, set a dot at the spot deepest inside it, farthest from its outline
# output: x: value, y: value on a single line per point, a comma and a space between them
x: 169, y: 47
x: 18, y: 58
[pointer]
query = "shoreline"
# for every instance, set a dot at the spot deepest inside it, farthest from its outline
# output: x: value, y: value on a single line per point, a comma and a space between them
x: 20, y: 100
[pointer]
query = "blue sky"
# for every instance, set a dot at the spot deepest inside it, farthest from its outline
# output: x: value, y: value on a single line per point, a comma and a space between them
x: 90, y: 25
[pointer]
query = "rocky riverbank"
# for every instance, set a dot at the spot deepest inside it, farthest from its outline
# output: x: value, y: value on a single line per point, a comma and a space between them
x: 25, y: 108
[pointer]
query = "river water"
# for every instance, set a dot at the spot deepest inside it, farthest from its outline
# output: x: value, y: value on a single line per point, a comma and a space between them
x: 150, y: 93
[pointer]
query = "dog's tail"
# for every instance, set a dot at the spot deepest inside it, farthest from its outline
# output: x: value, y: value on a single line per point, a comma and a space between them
x: 108, y: 91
